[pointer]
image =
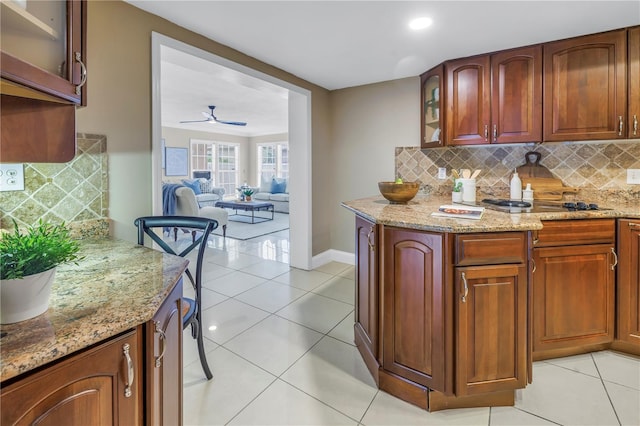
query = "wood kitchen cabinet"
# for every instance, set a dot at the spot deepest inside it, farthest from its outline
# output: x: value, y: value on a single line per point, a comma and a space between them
x: 101, y: 385
x: 367, y: 293
x: 413, y: 308
x: 432, y: 114
x: 585, y: 87
x: 491, y: 326
x: 164, y: 362
x: 495, y: 98
x: 573, y: 287
x: 633, y: 44
x: 628, y: 294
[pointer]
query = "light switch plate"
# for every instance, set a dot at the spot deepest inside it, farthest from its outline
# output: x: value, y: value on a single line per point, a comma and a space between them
x: 12, y: 177
x: 633, y: 176
x: 442, y: 172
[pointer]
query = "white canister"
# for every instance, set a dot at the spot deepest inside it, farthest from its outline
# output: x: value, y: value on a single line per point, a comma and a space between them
x: 468, y: 190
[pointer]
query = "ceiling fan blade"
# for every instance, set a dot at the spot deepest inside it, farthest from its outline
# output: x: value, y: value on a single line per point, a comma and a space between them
x: 195, y: 121
x: 233, y: 123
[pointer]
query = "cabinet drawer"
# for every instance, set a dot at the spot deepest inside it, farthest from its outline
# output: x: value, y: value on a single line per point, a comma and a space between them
x: 573, y: 232
x: 491, y: 249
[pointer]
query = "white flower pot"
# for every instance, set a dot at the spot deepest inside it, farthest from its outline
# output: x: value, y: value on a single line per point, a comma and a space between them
x: 456, y: 197
x: 23, y: 299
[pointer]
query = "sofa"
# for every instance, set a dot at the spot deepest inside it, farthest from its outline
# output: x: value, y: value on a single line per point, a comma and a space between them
x: 206, y: 194
x: 275, y: 191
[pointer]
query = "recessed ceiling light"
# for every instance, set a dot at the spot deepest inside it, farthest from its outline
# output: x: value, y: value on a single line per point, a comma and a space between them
x: 420, y: 23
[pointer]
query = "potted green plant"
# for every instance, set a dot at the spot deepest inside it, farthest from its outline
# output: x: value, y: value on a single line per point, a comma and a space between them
x: 456, y: 195
x: 28, y: 262
x: 247, y: 192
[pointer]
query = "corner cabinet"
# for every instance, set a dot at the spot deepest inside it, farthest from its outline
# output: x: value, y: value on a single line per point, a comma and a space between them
x: 446, y: 302
x: 628, y: 294
x: 585, y: 87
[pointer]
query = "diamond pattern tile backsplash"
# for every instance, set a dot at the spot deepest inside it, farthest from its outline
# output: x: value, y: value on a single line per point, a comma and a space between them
x: 71, y: 192
x: 599, y: 169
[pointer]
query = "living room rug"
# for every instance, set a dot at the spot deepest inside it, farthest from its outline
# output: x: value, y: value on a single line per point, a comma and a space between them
x: 245, y: 231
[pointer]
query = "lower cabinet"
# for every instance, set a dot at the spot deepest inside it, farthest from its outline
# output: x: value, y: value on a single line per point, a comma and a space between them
x: 573, y: 287
x: 131, y: 379
x: 102, y: 385
x: 628, y: 294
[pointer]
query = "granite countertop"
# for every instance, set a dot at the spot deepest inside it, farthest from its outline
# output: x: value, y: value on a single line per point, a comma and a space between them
x: 116, y: 287
x: 417, y: 215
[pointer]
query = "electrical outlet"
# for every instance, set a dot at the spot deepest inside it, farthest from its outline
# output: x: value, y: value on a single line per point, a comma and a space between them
x: 12, y: 177
x: 633, y: 176
x: 442, y: 172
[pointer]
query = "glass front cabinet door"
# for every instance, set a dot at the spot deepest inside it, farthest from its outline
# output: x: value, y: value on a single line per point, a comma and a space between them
x: 431, y: 116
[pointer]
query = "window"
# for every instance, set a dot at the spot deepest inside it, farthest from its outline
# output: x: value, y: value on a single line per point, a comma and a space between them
x: 273, y: 161
x: 218, y: 159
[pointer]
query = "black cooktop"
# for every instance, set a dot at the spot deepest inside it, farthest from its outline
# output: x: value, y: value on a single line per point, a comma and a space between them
x: 516, y: 206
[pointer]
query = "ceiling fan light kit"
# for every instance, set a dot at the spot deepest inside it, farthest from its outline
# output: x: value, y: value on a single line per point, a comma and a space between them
x: 209, y: 117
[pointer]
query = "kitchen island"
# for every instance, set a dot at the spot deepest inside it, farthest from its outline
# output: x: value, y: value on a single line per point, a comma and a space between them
x: 118, y: 307
x: 444, y: 306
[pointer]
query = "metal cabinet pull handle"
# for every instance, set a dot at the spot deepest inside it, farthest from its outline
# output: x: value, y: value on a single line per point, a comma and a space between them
x: 466, y: 288
x: 635, y: 125
x: 83, y: 74
x: 634, y: 225
x: 615, y: 259
x: 620, y: 125
x: 534, y: 266
x: 163, y: 343
x: 495, y: 133
x: 130, y: 371
x: 486, y: 132
x: 371, y: 246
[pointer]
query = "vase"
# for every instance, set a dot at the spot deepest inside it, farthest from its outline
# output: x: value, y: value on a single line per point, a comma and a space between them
x: 247, y: 198
x: 26, y: 298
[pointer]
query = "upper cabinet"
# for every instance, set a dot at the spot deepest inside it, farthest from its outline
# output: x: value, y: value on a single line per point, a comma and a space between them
x: 43, y: 48
x: 634, y: 83
x: 495, y: 98
x: 585, y: 89
x: 431, y: 117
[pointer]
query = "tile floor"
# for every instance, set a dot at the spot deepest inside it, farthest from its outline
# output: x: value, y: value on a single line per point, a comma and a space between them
x: 280, y: 345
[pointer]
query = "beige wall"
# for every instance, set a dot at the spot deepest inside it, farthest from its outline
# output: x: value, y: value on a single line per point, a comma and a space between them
x: 119, y: 106
x: 368, y: 123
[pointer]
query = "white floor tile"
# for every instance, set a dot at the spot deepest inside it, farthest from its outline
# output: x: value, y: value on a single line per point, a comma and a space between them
x: 305, y: 280
x: 233, y: 260
x: 350, y: 273
x: 211, y: 271
x: 333, y: 268
x: 234, y: 283
x: 510, y: 416
x: 334, y: 373
x: 282, y: 404
x: 215, y: 402
x: 566, y: 397
x: 338, y: 288
x: 626, y: 402
x: 274, y: 343
x: 619, y: 368
x: 583, y: 363
x: 271, y: 296
x: 316, y: 312
x: 228, y: 319
x: 211, y: 298
x: 391, y: 411
x: 190, y: 348
x: 267, y: 269
x: 344, y: 330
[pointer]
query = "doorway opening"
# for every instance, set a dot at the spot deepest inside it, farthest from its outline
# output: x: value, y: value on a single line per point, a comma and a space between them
x: 299, y: 134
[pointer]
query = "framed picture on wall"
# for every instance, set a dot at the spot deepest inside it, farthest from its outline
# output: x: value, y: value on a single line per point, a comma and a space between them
x: 177, y: 161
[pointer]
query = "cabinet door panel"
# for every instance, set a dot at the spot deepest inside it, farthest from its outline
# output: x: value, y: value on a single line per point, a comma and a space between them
x: 634, y: 83
x: 468, y: 104
x: 367, y: 283
x: 573, y: 297
x: 516, y: 95
x: 491, y: 328
x: 413, y: 344
x: 585, y: 89
x: 628, y: 302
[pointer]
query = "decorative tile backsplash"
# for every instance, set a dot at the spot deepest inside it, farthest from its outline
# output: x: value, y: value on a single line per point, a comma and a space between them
x: 599, y: 169
x: 72, y: 192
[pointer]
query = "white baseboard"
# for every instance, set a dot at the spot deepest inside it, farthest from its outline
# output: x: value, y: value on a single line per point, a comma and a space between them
x: 333, y: 256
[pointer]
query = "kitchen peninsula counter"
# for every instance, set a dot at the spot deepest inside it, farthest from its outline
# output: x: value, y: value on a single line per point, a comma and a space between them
x: 417, y: 215
x: 116, y: 287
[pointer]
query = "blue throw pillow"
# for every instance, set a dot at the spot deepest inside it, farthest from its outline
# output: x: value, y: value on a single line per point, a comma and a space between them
x: 193, y: 184
x: 278, y: 186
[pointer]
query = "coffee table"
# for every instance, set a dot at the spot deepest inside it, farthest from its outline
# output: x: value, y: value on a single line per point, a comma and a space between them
x: 247, y: 206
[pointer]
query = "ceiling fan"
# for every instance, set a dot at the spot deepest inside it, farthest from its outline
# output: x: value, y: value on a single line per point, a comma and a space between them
x: 212, y: 118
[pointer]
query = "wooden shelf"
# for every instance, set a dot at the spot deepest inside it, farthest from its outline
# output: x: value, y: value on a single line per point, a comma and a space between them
x: 15, y: 17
